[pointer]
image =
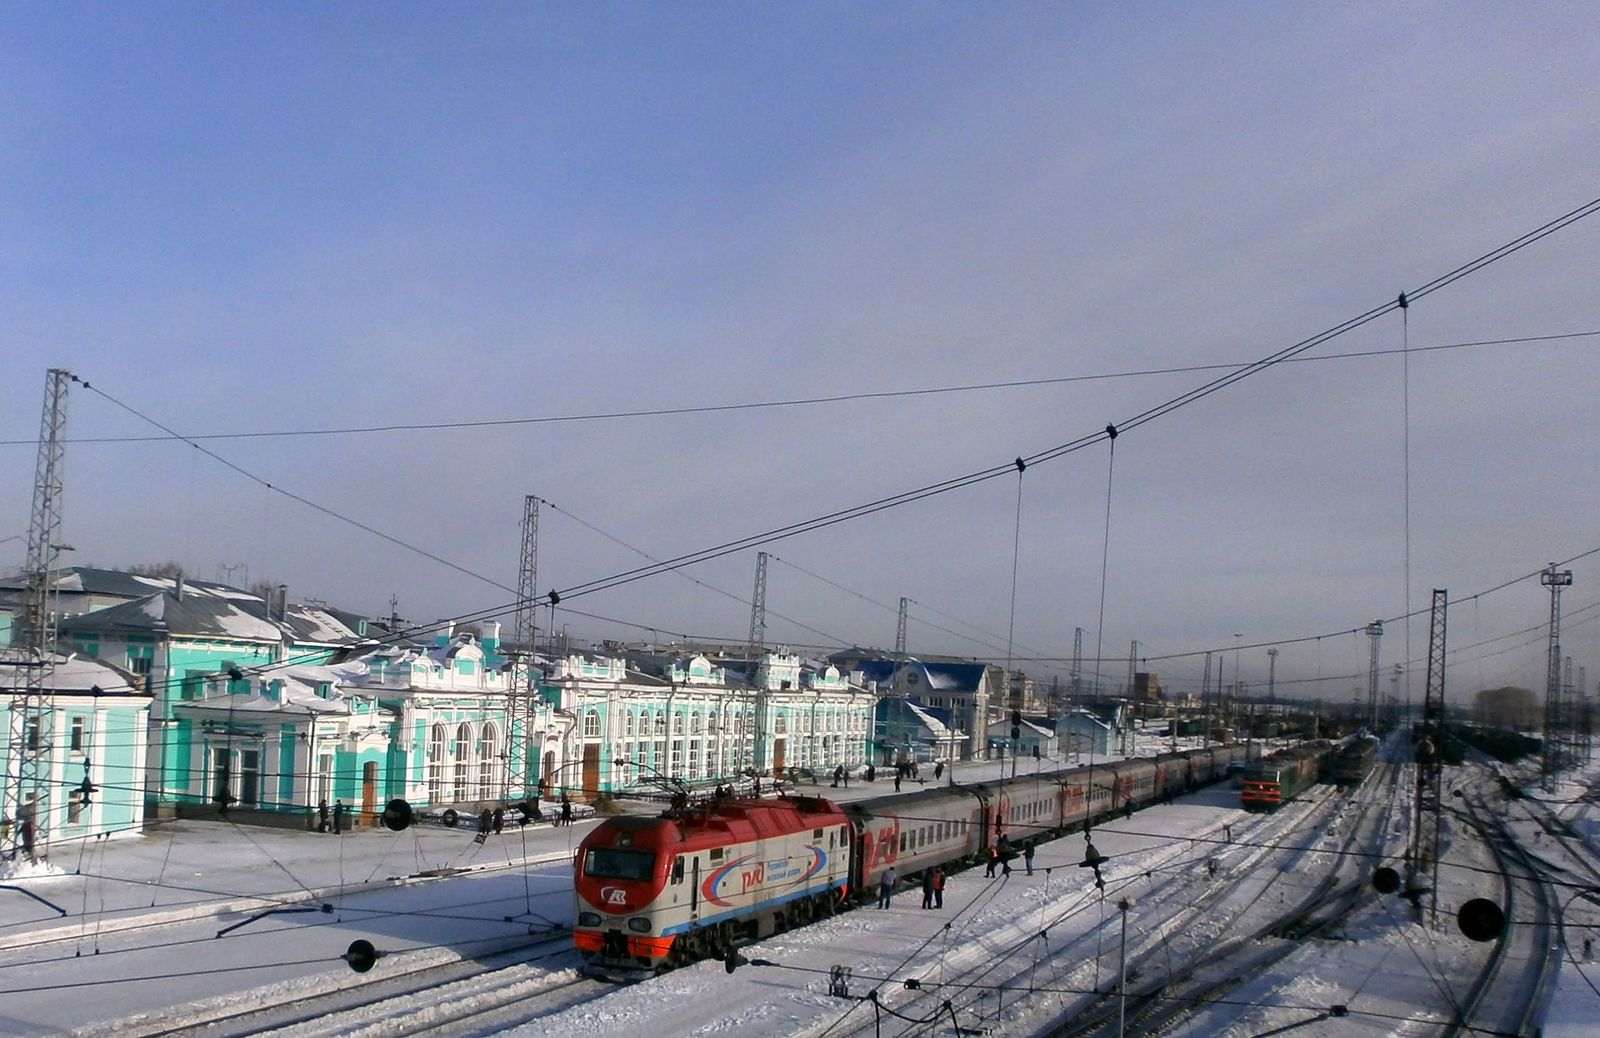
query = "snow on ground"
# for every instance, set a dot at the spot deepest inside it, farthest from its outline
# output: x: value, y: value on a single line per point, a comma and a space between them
x: 142, y: 914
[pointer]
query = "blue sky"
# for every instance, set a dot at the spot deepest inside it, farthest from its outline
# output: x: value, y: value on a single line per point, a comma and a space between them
x: 269, y: 217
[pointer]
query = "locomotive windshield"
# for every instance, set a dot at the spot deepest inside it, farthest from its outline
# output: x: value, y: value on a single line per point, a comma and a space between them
x: 607, y: 863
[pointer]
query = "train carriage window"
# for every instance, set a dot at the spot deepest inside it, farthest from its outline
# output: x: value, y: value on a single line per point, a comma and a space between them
x: 903, y: 837
x: 609, y: 863
x: 816, y: 834
x: 716, y: 854
x: 677, y: 870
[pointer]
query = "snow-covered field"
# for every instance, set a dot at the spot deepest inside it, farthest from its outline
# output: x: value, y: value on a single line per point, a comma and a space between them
x: 142, y: 935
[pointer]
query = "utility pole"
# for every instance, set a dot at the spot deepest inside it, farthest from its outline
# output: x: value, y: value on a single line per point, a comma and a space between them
x: 522, y: 756
x: 1205, y: 696
x: 1272, y: 675
x: 1133, y: 665
x: 1424, y: 856
x: 1554, y: 580
x: 30, y: 767
x: 1374, y: 637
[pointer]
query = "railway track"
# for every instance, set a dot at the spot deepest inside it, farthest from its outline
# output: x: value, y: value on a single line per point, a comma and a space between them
x: 1512, y: 992
x: 428, y: 998
x: 1201, y: 904
x: 1163, y: 1006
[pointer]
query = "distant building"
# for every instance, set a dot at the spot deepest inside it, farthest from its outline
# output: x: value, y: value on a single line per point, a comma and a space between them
x: 1031, y: 736
x: 1103, y: 729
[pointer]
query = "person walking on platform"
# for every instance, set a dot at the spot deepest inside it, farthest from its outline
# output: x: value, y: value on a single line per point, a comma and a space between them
x: 886, y: 887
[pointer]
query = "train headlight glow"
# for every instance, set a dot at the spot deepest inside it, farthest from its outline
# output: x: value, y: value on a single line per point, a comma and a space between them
x: 588, y: 918
x: 639, y: 923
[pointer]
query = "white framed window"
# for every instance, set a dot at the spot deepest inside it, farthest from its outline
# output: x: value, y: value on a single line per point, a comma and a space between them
x: 435, y: 765
x: 488, y: 753
x: 463, y: 761
x: 250, y: 777
x: 591, y: 724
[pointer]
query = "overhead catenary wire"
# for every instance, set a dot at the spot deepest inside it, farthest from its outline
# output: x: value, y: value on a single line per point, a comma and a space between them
x: 812, y: 401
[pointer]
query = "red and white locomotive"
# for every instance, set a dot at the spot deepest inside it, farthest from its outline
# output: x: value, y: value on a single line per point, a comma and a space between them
x: 657, y: 892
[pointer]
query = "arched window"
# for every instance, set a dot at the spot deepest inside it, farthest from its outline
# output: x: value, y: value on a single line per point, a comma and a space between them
x: 661, y: 722
x: 694, y: 724
x: 627, y: 724
x: 591, y: 724
x: 488, y: 755
x: 436, y: 764
x: 463, y: 761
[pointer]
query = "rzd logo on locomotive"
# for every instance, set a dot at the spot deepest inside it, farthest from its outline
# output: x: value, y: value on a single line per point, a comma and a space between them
x: 614, y: 895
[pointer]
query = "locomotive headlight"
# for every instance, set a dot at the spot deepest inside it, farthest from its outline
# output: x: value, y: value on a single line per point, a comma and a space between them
x: 639, y: 923
x: 588, y: 918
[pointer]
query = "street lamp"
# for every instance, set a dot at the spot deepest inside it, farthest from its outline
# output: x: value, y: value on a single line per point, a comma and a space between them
x: 1122, y: 968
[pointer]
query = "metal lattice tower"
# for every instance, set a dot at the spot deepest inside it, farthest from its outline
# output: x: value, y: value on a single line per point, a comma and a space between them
x: 1077, y: 664
x: 900, y: 632
x: 30, y: 769
x: 522, y: 757
x: 758, y: 609
x: 1272, y: 675
x: 1424, y: 856
x: 1554, y: 580
x: 1133, y: 666
x: 522, y: 631
x: 1375, y: 635
x: 758, y: 640
x: 1569, y: 715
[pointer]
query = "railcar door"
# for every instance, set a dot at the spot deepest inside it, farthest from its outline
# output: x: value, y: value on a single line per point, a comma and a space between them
x: 694, y: 890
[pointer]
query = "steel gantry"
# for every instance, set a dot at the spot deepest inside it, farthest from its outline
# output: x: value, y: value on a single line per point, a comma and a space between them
x: 1424, y: 852
x: 30, y: 770
x: 522, y: 757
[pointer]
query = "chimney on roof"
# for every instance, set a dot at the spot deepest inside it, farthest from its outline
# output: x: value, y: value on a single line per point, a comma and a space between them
x: 283, y: 601
x: 177, y: 590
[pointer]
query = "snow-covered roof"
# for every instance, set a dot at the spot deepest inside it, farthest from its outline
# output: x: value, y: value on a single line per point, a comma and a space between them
x: 70, y: 675
x: 165, y: 612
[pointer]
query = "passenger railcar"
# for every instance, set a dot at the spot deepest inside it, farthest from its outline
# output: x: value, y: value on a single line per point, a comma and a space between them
x: 656, y: 892
x: 662, y: 891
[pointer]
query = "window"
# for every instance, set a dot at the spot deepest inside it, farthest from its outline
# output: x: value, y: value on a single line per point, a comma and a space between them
x: 661, y: 723
x: 677, y: 757
x: 78, y: 726
x: 219, y: 791
x: 33, y: 733
x: 627, y: 723
x: 435, y: 765
x: 250, y: 777
x: 463, y: 760
x: 591, y: 724
x: 608, y: 863
x: 74, y: 807
x: 781, y: 725
x: 488, y: 749
x: 694, y: 759
x: 140, y: 665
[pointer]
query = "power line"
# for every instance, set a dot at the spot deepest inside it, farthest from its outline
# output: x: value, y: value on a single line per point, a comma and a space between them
x: 798, y: 402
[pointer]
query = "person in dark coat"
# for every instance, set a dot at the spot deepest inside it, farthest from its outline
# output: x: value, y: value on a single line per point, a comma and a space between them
x: 338, y: 817
x: 322, y: 816
x: 927, y: 888
x: 1027, y: 858
x: 566, y: 810
x: 994, y: 862
x: 897, y: 781
x: 499, y: 820
x: 938, y: 771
